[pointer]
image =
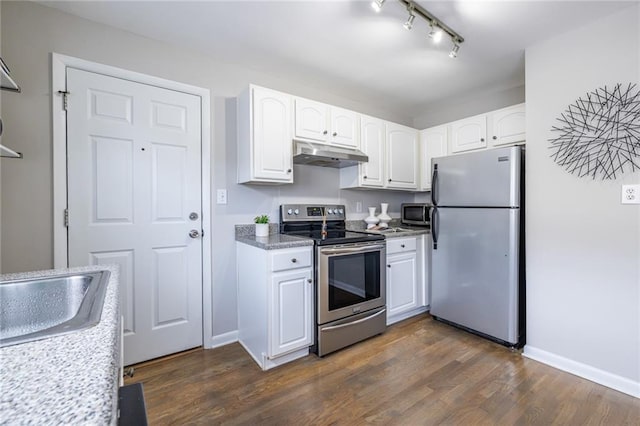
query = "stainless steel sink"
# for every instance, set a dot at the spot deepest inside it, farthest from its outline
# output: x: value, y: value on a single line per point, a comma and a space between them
x: 37, y: 308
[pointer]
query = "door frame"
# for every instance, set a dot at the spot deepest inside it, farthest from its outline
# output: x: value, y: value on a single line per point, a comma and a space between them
x: 59, y: 64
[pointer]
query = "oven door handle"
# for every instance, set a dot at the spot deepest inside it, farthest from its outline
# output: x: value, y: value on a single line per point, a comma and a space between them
x: 335, y: 327
x: 351, y: 250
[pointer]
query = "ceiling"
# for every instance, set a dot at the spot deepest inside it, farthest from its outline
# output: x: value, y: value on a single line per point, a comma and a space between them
x: 346, y: 48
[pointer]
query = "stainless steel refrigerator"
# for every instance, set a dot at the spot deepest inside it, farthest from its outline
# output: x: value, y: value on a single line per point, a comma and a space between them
x: 477, y: 249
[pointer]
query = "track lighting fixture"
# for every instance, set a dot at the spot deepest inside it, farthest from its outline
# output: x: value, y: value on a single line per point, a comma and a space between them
x: 454, y: 50
x: 437, y: 28
x: 409, y: 24
x: 377, y: 5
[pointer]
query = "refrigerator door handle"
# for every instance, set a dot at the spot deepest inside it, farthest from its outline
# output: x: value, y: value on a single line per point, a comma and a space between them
x: 434, y: 185
x: 434, y: 227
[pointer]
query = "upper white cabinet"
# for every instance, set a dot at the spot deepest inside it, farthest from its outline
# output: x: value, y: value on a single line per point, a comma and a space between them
x: 393, y: 152
x: 433, y: 143
x: 469, y: 134
x: 402, y: 156
x: 372, y: 142
x: 507, y: 125
x: 265, y: 136
x: 326, y: 124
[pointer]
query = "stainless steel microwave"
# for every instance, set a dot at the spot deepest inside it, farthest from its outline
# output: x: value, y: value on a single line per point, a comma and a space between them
x: 418, y: 214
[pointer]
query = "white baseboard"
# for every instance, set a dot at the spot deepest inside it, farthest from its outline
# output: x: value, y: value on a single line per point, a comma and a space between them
x: 222, y: 339
x: 403, y: 316
x: 613, y: 381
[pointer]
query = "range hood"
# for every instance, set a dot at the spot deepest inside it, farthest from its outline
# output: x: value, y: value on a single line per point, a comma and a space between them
x: 315, y: 154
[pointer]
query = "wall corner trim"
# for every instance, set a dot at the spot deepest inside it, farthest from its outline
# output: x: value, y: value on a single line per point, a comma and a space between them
x: 613, y: 381
x: 222, y: 340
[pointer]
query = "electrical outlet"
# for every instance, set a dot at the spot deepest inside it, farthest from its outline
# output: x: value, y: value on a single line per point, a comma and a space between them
x: 358, y: 206
x: 222, y: 196
x: 630, y: 194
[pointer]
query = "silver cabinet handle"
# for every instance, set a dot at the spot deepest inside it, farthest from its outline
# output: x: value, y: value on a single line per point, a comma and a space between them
x: 325, y: 132
x: 481, y: 139
x: 194, y: 233
x: 335, y: 134
x: 288, y: 170
x: 495, y: 137
x: 402, y: 245
x: 294, y: 260
x: 335, y: 327
x: 309, y: 280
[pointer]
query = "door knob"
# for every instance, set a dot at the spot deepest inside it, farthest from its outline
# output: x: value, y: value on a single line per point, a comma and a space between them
x: 194, y: 233
x: 193, y: 216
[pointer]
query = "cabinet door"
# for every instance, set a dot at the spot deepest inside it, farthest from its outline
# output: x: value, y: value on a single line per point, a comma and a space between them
x: 345, y: 128
x: 402, y: 283
x: 507, y: 126
x: 291, y: 312
x: 311, y: 120
x: 433, y: 143
x: 372, y: 144
x: 272, y: 146
x: 402, y: 157
x: 469, y: 134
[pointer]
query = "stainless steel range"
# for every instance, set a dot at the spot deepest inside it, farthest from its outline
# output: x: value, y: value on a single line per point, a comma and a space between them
x: 349, y: 275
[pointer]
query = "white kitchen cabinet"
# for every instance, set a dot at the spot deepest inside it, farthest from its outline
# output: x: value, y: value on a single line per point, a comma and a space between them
x: 324, y: 123
x: 265, y: 136
x: 433, y: 143
x: 507, y: 126
x: 469, y: 134
x: 407, y: 294
x: 372, y: 143
x: 275, y: 303
x: 402, y: 155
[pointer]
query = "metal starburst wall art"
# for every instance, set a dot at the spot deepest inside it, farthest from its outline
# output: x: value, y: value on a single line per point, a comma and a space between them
x: 599, y: 134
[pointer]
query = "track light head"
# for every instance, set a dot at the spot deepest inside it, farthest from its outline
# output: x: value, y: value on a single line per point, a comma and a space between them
x: 435, y: 33
x: 377, y: 5
x: 409, y: 24
x: 454, y: 50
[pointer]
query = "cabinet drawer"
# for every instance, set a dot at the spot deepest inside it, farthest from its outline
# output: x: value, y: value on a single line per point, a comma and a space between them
x: 401, y: 245
x: 291, y: 259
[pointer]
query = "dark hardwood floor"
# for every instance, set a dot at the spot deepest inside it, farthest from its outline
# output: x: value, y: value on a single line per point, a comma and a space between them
x: 420, y: 372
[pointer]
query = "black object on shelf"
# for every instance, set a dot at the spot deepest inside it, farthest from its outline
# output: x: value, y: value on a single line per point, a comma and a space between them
x: 131, y: 407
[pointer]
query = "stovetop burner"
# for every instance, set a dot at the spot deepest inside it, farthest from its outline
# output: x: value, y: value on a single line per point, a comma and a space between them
x: 336, y: 236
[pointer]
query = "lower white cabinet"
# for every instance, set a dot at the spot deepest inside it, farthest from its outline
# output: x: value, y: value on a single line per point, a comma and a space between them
x: 407, y: 292
x: 275, y: 303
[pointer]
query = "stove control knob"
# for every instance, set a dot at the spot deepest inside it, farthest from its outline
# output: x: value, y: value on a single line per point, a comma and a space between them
x: 289, y: 211
x: 296, y: 211
x: 340, y: 211
x: 329, y: 211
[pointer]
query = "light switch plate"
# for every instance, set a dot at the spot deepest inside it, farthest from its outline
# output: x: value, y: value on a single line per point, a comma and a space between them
x: 221, y: 197
x: 630, y: 194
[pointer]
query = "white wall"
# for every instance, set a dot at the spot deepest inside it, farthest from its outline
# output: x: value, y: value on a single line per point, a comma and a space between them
x: 456, y: 108
x: 583, y: 246
x: 31, y: 31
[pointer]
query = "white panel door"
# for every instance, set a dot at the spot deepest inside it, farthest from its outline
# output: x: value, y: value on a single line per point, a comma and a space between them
x: 469, y: 134
x: 272, y: 144
x: 345, y: 128
x: 372, y: 172
x: 402, y: 157
x: 433, y: 144
x: 311, y: 120
x: 291, y: 314
x: 402, y: 283
x: 134, y: 165
x: 508, y: 125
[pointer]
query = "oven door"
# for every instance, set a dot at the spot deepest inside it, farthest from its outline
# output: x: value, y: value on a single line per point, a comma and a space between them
x: 351, y: 279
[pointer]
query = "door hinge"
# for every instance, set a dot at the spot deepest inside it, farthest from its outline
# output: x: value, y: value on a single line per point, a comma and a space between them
x: 66, y: 218
x: 65, y: 100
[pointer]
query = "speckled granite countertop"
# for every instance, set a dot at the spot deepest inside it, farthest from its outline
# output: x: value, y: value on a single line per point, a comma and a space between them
x: 401, y: 230
x: 246, y: 234
x: 69, y: 379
